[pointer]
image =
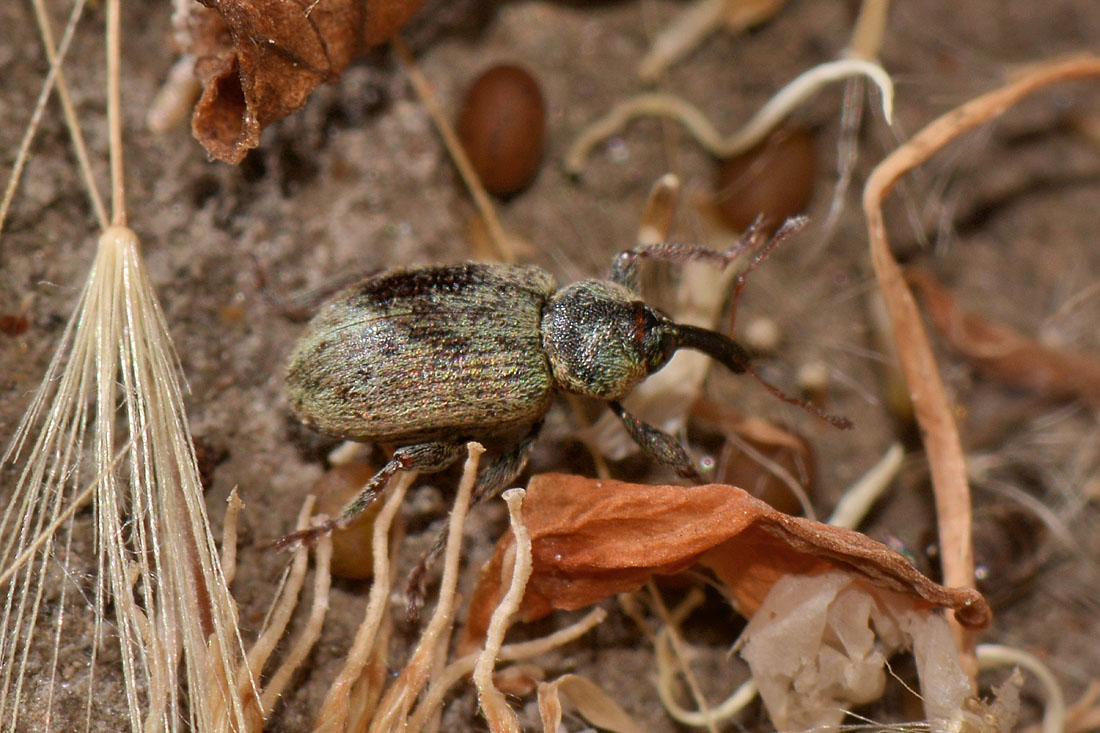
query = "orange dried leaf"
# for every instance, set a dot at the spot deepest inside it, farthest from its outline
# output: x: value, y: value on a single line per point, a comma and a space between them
x: 591, y: 539
x: 1005, y: 355
x: 258, y: 60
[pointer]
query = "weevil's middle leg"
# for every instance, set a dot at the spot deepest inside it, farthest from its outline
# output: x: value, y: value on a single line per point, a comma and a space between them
x: 494, y: 476
x: 657, y: 443
x: 423, y: 457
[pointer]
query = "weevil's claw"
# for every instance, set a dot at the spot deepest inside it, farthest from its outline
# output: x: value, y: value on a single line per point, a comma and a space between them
x: 416, y: 593
x: 306, y: 537
x: 691, y: 474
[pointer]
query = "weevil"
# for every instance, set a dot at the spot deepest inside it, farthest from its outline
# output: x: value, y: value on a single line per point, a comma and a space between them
x: 428, y: 358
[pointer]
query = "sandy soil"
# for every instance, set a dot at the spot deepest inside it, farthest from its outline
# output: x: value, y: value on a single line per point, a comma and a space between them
x: 358, y: 181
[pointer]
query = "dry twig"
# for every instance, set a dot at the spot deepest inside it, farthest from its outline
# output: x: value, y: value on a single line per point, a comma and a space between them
x: 930, y: 403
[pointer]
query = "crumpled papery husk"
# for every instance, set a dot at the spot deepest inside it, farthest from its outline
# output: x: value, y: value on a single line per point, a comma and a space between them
x: 819, y: 644
x: 594, y: 538
x: 258, y: 60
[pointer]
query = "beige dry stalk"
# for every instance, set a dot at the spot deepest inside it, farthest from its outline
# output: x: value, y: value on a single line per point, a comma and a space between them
x: 155, y: 562
x: 933, y: 412
x: 502, y: 242
x: 394, y: 709
x: 778, y: 108
x: 496, y: 711
x: 463, y: 666
x: 698, y: 21
x: 670, y: 634
x: 338, y: 707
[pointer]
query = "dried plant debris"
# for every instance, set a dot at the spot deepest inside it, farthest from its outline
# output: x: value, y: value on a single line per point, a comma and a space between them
x: 1004, y: 354
x: 594, y: 538
x: 819, y: 644
x: 588, y: 699
x: 159, y: 584
x: 258, y: 60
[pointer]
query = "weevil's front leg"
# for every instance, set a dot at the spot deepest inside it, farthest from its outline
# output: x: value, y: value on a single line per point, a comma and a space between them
x: 624, y: 270
x: 423, y: 457
x: 494, y: 476
x: 657, y: 443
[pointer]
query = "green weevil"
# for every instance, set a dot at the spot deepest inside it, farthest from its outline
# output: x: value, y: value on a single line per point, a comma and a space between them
x: 428, y: 358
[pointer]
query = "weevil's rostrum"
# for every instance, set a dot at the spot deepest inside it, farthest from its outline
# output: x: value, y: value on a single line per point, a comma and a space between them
x: 430, y: 358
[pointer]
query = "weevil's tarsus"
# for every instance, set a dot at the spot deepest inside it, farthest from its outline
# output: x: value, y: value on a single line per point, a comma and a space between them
x: 789, y: 228
x: 422, y: 457
x: 657, y: 443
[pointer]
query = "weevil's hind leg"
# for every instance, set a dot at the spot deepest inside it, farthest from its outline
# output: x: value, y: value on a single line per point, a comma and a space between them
x: 494, y: 476
x: 423, y: 457
x: 657, y: 443
x: 503, y: 469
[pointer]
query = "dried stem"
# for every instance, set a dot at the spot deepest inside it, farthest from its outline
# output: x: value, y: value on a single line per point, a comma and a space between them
x: 522, y: 650
x: 334, y: 711
x: 671, y: 632
x: 56, y: 57
x: 114, y: 113
x: 861, y: 496
x: 473, y: 183
x: 933, y: 412
x: 771, y: 114
x: 322, y: 579
x: 493, y: 706
x: 394, y: 708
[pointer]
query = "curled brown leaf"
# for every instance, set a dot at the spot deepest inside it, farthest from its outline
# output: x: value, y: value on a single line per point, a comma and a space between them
x: 594, y: 538
x: 258, y: 60
x: 1004, y: 354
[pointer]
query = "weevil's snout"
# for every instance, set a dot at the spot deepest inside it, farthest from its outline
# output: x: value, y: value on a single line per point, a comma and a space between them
x: 727, y: 351
x: 721, y: 348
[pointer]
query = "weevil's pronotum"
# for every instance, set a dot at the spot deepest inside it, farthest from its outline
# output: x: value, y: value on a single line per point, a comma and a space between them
x: 429, y: 358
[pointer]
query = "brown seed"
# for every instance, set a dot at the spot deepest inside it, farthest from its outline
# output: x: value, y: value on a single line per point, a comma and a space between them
x: 774, y: 180
x: 351, y: 545
x: 503, y: 127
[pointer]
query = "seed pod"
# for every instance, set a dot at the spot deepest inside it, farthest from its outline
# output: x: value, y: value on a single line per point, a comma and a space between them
x: 774, y: 180
x: 503, y: 127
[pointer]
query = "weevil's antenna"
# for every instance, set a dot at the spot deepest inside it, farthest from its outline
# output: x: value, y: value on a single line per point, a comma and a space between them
x: 733, y: 356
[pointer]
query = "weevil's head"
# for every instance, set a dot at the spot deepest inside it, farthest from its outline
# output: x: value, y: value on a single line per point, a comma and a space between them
x: 602, y: 340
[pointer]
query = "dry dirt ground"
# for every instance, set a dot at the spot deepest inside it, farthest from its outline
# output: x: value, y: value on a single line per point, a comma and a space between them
x: 358, y: 180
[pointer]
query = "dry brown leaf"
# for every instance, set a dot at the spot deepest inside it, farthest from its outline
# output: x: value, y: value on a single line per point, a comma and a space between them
x: 1004, y: 354
x: 593, y: 538
x: 258, y: 60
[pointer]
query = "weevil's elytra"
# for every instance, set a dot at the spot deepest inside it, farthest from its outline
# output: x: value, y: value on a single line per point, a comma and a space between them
x: 427, y: 354
x: 429, y: 358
